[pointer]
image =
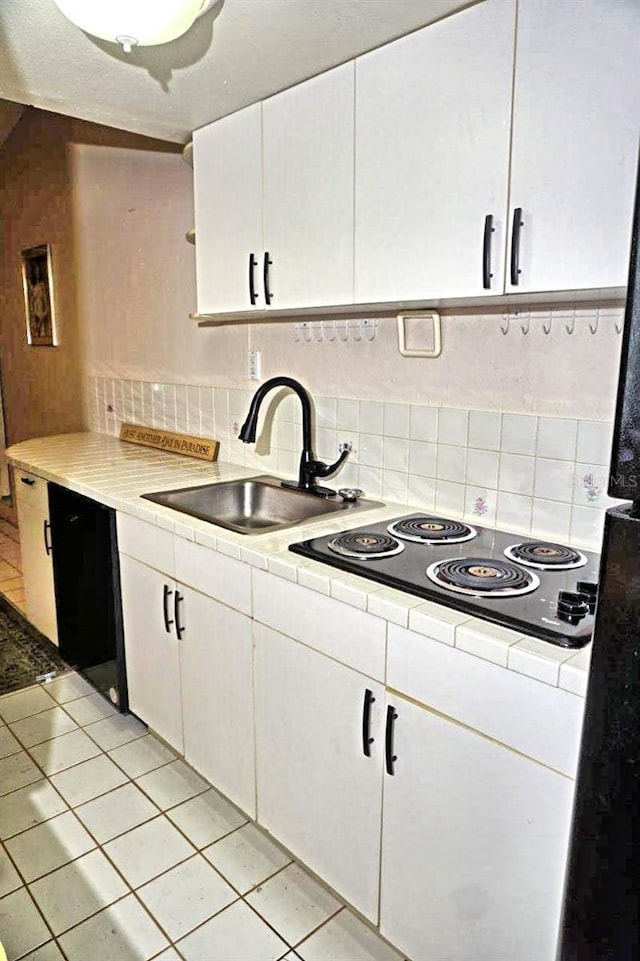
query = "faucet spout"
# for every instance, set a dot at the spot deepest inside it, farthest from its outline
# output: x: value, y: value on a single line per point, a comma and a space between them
x: 310, y: 468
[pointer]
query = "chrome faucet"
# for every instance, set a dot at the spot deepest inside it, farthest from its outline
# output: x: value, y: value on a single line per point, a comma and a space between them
x: 310, y: 468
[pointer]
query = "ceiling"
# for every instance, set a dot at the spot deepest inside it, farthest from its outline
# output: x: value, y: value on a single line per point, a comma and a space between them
x: 236, y: 54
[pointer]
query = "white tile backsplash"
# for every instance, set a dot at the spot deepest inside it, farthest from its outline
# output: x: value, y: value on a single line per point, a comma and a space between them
x: 553, y: 479
x: 557, y: 438
x: 516, y: 474
x: 484, y: 429
x: 453, y: 426
x: 422, y: 458
x: 594, y: 442
x: 396, y: 420
x: 451, y: 463
x: 423, y: 423
x: 544, y: 476
x: 519, y: 433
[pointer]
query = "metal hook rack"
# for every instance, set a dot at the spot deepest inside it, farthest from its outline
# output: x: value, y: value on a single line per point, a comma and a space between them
x: 573, y: 319
x: 356, y: 329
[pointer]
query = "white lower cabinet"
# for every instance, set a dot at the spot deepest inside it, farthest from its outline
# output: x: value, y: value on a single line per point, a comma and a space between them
x: 152, y: 649
x: 474, y: 844
x: 216, y: 654
x: 35, y: 547
x: 318, y: 793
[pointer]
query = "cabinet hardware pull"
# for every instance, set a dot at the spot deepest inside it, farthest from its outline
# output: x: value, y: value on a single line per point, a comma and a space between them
x: 165, y: 600
x: 367, y: 740
x: 177, y: 599
x: 265, y: 277
x: 29, y: 481
x: 46, y: 527
x: 253, y: 263
x: 518, y: 223
x: 486, y: 252
x: 390, y: 757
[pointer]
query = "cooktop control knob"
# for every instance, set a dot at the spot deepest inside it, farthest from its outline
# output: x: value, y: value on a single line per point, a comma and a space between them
x: 572, y: 607
x: 589, y: 592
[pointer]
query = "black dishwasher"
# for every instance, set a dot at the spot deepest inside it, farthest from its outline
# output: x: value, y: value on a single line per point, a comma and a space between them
x: 87, y: 587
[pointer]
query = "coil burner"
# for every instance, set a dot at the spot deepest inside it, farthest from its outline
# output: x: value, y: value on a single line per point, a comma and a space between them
x: 545, y: 556
x: 365, y: 545
x: 432, y: 530
x: 482, y: 577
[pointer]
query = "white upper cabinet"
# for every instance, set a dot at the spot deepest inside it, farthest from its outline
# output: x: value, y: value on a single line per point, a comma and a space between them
x: 432, y: 153
x: 398, y: 178
x: 308, y: 145
x: 228, y: 201
x: 575, y: 142
x: 285, y: 165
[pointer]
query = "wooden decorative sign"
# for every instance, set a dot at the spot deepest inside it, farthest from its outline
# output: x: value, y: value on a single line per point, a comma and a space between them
x: 201, y: 447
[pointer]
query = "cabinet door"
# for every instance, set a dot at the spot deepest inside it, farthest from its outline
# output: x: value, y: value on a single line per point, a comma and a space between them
x: 151, y: 652
x: 317, y: 791
x: 217, y: 694
x: 308, y: 144
x: 474, y: 844
x: 37, y: 569
x: 432, y: 153
x: 575, y: 142
x: 227, y: 159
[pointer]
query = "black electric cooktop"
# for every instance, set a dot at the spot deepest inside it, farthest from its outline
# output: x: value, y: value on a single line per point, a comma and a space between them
x: 538, y: 587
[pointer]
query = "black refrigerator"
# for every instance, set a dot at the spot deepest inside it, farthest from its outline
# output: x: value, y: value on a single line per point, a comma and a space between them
x: 601, y: 918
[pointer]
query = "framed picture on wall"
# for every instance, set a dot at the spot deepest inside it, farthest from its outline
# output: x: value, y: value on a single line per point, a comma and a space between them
x: 37, y: 283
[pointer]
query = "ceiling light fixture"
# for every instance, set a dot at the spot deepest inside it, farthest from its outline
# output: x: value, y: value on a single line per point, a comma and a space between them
x: 135, y: 23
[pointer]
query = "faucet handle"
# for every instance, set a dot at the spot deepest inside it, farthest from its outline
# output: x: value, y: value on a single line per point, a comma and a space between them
x: 320, y: 469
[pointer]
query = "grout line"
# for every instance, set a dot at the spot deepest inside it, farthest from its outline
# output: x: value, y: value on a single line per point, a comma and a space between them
x: 25, y: 887
x: 196, y: 851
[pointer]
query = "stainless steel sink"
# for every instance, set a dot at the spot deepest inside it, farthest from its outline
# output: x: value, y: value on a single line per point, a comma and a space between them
x: 254, y: 505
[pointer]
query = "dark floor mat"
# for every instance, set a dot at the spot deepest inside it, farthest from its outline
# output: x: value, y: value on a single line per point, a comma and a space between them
x: 25, y: 654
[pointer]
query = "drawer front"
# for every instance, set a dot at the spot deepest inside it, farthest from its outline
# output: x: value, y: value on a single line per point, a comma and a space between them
x: 213, y: 574
x: 145, y: 542
x: 348, y: 635
x: 541, y: 721
x: 32, y: 490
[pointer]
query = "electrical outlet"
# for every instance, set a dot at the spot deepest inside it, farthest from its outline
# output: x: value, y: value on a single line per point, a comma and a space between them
x: 253, y: 364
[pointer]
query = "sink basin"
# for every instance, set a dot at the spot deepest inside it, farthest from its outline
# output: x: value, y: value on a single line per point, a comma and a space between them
x: 254, y: 505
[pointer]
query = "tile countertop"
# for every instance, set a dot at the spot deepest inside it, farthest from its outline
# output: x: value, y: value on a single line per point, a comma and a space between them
x: 117, y: 473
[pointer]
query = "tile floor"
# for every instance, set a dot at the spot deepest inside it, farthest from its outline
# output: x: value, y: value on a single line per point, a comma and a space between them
x: 11, y: 584
x: 113, y: 849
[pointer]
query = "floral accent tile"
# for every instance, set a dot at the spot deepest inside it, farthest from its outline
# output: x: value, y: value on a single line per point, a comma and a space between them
x: 591, y: 488
x: 480, y: 507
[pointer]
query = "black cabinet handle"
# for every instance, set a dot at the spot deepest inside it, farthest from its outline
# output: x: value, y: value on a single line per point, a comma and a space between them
x: 177, y: 599
x: 367, y: 740
x: 165, y: 601
x: 265, y: 277
x: 253, y: 263
x: 486, y: 252
x: 390, y: 757
x: 29, y: 481
x: 518, y: 223
x: 46, y: 527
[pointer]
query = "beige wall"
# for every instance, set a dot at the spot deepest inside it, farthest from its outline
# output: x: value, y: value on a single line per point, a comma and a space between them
x: 42, y: 385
